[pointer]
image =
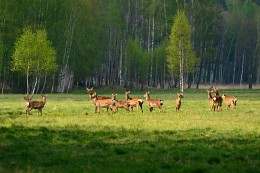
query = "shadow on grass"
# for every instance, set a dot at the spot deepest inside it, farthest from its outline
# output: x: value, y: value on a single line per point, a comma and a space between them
x: 109, y: 150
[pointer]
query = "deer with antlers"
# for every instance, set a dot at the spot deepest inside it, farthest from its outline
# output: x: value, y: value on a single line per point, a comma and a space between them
x: 152, y: 103
x: 231, y: 101
x: 106, y: 103
x: 178, y: 101
x: 134, y: 102
x: 33, y: 104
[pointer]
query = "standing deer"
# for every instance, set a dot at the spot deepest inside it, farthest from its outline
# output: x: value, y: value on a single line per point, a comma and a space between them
x: 121, y: 103
x: 90, y: 92
x: 134, y: 102
x: 153, y: 103
x: 212, y: 101
x: 217, y: 99
x: 231, y: 101
x: 32, y: 104
x: 106, y: 103
x: 178, y: 101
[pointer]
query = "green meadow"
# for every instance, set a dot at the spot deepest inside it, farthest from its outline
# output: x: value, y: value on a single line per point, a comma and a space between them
x: 70, y: 137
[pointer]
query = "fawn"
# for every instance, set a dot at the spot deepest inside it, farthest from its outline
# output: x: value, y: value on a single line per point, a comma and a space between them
x: 106, y: 103
x: 153, y: 103
x: 121, y: 103
x: 212, y: 101
x: 32, y: 104
x: 231, y: 101
x: 178, y: 101
x: 134, y: 102
x: 217, y: 98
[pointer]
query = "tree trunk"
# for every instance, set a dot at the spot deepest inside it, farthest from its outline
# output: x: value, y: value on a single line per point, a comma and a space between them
x: 242, y: 70
x: 65, y: 73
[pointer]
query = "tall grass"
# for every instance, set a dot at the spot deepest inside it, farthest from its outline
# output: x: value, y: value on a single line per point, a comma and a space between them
x: 69, y: 137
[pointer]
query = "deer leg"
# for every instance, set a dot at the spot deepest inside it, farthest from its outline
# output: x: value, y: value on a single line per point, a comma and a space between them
x: 98, y: 109
x: 29, y: 111
x: 141, y: 106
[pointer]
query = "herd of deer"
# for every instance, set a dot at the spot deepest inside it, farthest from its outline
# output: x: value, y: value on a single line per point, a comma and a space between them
x: 113, y: 104
x: 216, y: 100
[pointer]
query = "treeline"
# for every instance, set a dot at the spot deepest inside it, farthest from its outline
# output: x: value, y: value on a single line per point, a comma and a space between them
x: 115, y: 42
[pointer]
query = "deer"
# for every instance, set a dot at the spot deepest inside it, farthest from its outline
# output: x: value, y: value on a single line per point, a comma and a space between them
x: 152, y: 103
x: 212, y: 101
x: 90, y: 92
x: 106, y: 103
x: 231, y: 101
x: 121, y: 103
x: 178, y: 101
x: 217, y: 98
x: 134, y: 102
x: 33, y: 104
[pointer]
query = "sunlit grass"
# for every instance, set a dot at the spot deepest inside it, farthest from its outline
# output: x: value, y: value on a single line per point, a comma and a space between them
x: 70, y: 137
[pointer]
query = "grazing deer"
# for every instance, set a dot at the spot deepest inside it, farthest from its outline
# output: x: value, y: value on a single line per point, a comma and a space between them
x: 121, y: 103
x: 217, y: 98
x: 153, y: 103
x: 106, y: 103
x: 134, y: 102
x: 212, y: 101
x: 32, y: 104
x: 231, y: 101
x: 178, y: 101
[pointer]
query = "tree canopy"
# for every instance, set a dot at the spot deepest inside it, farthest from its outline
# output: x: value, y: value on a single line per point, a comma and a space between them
x: 34, y: 55
x: 101, y: 42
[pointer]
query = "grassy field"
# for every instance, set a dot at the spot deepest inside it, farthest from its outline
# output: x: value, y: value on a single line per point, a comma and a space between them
x: 69, y: 137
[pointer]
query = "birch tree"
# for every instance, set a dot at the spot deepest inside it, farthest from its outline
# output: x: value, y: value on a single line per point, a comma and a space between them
x: 180, y: 57
x: 33, y: 56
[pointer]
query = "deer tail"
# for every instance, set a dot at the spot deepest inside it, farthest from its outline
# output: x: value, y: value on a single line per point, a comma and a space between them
x: 235, y: 101
x: 161, y: 102
x: 140, y: 101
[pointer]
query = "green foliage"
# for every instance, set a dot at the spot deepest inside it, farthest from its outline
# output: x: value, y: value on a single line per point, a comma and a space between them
x: 136, y: 60
x: 34, y: 54
x: 249, y: 8
x: 180, y: 46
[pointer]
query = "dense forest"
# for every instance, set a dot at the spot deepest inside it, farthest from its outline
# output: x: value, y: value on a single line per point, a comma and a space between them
x: 123, y: 42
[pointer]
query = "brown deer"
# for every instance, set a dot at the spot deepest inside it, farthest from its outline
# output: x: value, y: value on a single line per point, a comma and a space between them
x: 134, y: 102
x: 231, y: 101
x: 217, y: 98
x: 32, y: 104
x: 90, y: 92
x: 153, y: 103
x: 212, y: 101
x: 178, y: 101
x: 106, y: 103
x: 121, y: 103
